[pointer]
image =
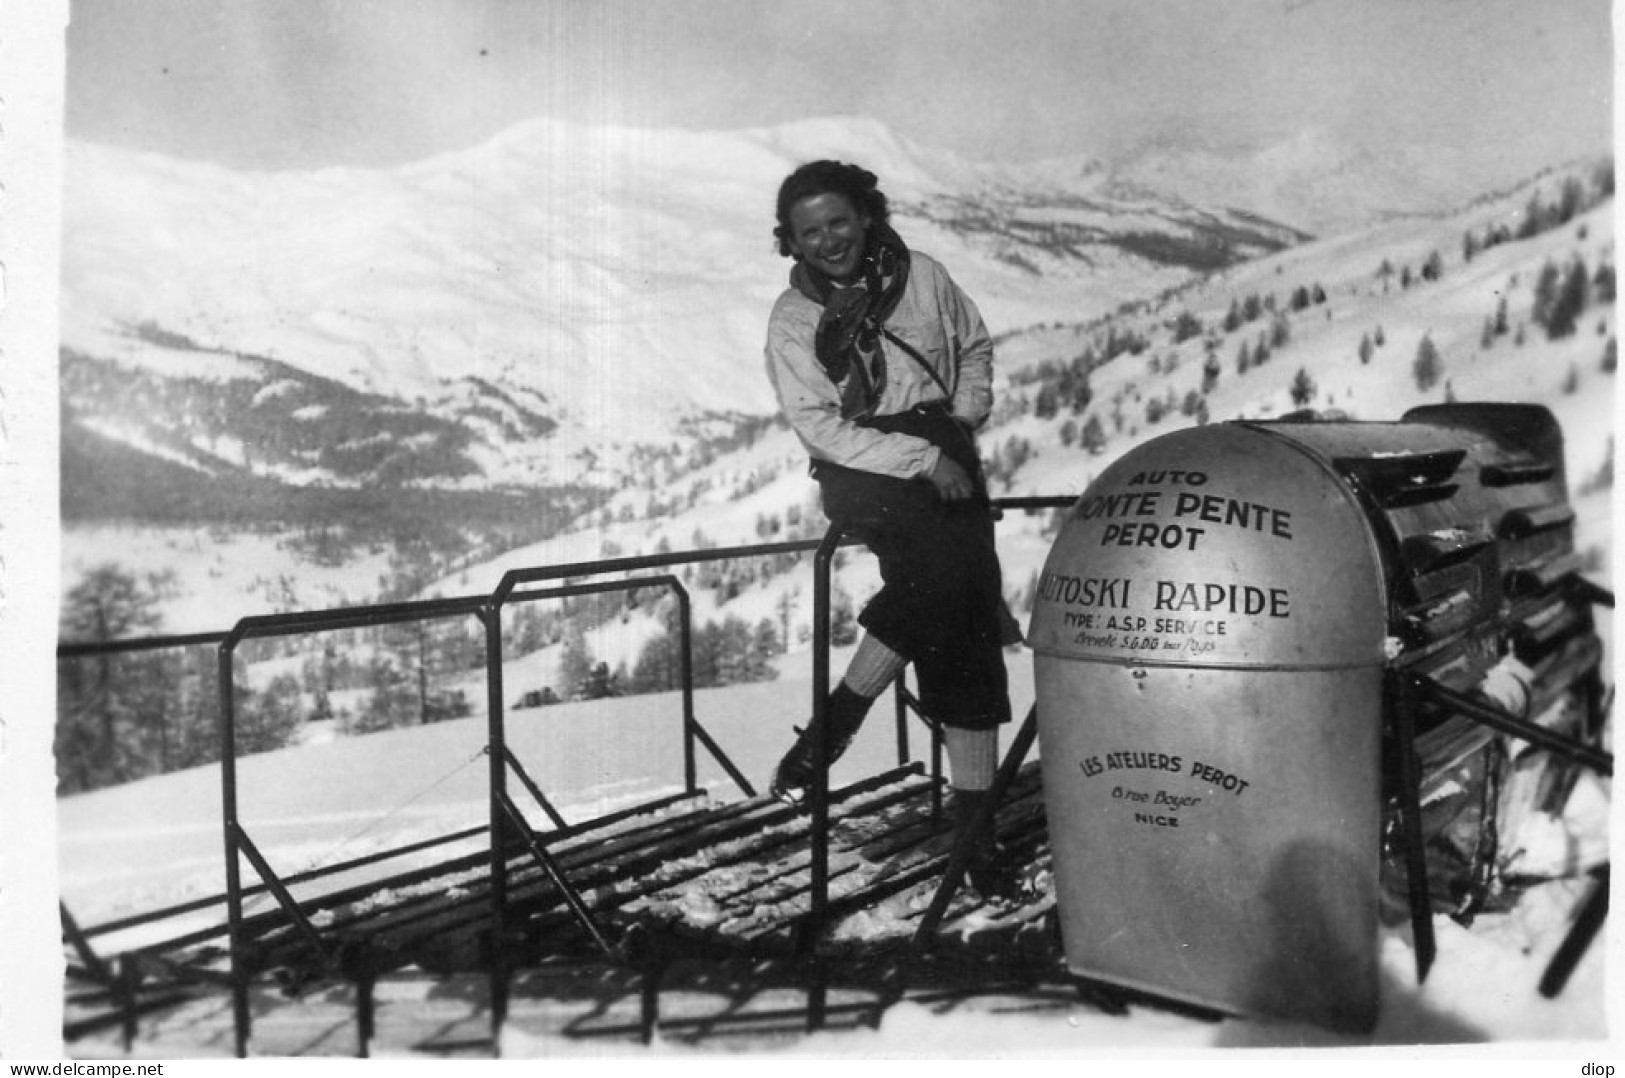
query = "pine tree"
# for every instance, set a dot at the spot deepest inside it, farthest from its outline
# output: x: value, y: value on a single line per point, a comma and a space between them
x: 1570, y: 200
x: 1427, y: 368
x: 110, y: 707
x: 1366, y: 348
x: 1570, y: 301
x: 1303, y: 388
x: 394, y: 696
x: 271, y: 719
x: 1547, y: 284
x: 576, y: 661
x: 1602, y: 283
x: 1280, y: 332
x: 843, y: 622
x: 1093, y: 437
x: 1210, y: 373
x: 1186, y: 326
x: 1534, y: 218
x: 1048, y: 402
x: 659, y: 666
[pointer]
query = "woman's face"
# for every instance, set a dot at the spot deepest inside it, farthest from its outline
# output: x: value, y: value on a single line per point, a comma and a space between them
x: 829, y: 234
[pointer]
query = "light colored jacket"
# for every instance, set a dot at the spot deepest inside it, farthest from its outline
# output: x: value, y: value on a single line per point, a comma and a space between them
x: 938, y: 320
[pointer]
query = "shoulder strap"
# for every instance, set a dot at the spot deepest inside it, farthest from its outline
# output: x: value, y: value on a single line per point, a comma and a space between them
x: 921, y: 360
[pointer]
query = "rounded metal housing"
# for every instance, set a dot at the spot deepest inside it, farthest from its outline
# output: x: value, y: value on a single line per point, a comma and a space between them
x: 1209, y: 636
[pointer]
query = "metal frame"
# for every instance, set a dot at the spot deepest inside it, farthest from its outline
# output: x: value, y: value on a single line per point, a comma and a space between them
x: 237, y: 841
x: 505, y: 813
x: 1406, y: 691
x: 507, y: 826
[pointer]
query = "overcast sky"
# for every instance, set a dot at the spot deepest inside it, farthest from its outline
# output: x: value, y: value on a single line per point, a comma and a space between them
x: 296, y: 83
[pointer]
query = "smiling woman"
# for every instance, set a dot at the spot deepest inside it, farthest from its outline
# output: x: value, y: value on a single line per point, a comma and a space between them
x: 883, y: 368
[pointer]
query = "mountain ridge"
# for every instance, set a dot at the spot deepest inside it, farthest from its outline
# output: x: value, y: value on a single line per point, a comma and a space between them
x: 555, y: 302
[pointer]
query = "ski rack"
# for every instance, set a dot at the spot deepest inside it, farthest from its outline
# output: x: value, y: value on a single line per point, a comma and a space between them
x: 122, y: 976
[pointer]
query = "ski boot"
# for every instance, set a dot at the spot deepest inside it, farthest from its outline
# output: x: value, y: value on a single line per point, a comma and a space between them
x: 794, y: 775
x: 992, y: 870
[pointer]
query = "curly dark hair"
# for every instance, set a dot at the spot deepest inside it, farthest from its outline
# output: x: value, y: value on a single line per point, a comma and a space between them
x: 858, y: 185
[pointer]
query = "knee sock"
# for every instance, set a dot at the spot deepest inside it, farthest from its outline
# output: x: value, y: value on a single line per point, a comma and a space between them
x: 873, y: 667
x: 973, y: 757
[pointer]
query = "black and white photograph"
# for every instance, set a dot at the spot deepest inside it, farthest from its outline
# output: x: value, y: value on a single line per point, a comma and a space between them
x: 923, y: 529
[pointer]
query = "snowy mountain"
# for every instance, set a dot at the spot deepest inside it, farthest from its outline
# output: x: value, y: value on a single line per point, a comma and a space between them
x: 234, y: 356
x: 530, y: 311
x: 1314, y: 181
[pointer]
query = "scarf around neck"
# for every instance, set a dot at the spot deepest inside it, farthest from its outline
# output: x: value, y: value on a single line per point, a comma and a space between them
x: 853, y: 317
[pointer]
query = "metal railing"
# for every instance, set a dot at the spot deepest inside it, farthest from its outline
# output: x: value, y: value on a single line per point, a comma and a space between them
x: 238, y: 844
x: 507, y: 822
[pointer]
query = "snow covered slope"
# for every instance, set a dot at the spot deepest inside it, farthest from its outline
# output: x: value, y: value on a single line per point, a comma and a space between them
x: 558, y: 295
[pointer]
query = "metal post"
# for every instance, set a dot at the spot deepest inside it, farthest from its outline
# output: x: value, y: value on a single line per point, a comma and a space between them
x: 127, y: 981
x: 901, y: 699
x: 1502, y: 721
x: 365, y: 1013
x: 819, y: 795
x: 1580, y: 934
x: 686, y: 661
x: 936, y: 771
x: 496, y: 751
x: 572, y: 897
x: 1403, y: 710
x: 241, y: 1016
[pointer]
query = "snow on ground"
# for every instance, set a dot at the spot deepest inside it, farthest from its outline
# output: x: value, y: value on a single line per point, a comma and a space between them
x: 129, y: 848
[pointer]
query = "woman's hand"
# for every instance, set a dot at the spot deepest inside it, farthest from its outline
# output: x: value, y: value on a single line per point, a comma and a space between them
x: 952, y: 482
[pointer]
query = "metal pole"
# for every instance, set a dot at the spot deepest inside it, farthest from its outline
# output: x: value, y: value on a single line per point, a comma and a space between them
x: 1578, y: 941
x: 936, y: 770
x: 819, y: 795
x: 686, y: 663
x: 572, y: 897
x: 1403, y: 710
x: 900, y: 699
x: 1482, y: 711
x: 496, y: 751
x: 234, y: 893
